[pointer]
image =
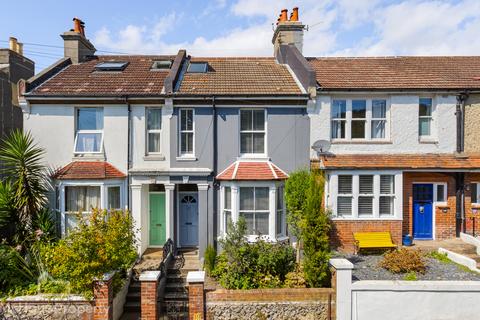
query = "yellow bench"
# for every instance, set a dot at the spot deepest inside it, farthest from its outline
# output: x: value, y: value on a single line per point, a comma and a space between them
x: 373, y: 240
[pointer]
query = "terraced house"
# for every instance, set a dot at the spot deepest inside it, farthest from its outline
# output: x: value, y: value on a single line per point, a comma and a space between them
x: 188, y: 144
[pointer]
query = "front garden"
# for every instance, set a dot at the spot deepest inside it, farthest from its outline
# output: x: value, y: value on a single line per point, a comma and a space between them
x: 33, y: 260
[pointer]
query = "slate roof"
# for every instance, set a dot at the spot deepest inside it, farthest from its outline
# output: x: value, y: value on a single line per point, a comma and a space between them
x: 252, y: 170
x: 453, y: 72
x: 399, y: 161
x: 83, y: 80
x: 240, y: 76
x: 79, y: 170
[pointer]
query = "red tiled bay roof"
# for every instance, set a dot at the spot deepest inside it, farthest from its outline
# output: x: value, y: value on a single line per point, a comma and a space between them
x: 399, y: 161
x: 89, y: 170
x: 252, y: 170
x: 451, y: 72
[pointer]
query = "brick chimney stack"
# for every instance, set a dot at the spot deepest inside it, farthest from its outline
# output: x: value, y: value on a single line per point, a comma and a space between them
x: 288, y: 31
x: 76, y: 46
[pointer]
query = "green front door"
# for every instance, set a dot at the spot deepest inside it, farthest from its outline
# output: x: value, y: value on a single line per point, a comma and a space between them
x: 157, y: 219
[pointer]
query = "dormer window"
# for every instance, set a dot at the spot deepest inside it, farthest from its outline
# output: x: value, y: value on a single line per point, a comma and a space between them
x: 89, y: 130
x: 197, y: 67
x: 161, y: 65
x: 111, y: 66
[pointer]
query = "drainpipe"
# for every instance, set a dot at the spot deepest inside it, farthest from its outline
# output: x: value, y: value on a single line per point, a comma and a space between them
x: 215, y: 164
x: 460, y: 177
x: 129, y: 162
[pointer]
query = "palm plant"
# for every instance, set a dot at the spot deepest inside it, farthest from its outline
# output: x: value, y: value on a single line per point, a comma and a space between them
x: 25, y: 176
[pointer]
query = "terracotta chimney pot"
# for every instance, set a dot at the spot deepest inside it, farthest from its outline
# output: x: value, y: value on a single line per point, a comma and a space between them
x: 283, y: 16
x: 294, y: 16
x: 12, y: 41
x: 78, y: 26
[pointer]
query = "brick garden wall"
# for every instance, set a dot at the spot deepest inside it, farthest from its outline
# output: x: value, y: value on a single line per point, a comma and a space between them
x: 302, y: 303
x: 341, y: 236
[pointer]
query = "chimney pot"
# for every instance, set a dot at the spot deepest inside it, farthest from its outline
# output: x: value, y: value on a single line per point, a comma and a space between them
x: 12, y: 41
x: 78, y: 26
x: 283, y: 16
x: 294, y: 16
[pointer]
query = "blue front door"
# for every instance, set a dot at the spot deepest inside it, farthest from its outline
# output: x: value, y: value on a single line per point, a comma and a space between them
x: 422, y: 211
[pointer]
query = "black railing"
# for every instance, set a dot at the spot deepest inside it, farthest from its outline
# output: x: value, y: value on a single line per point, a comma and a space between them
x: 168, y: 251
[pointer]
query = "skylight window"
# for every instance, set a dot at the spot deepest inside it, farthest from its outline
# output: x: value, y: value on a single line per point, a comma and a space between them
x: 111, y: 66
x: 197, y: 67
x: 162, y: 65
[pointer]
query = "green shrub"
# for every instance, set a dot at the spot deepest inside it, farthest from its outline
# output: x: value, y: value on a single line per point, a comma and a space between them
x: 14, y: 271
x: 411, y: 276
x: 296, y: 278
x: 97, y: 246
x: 210, y: 257
x: 403, y: 260
x: 442, y: 257
x: 244, y: 265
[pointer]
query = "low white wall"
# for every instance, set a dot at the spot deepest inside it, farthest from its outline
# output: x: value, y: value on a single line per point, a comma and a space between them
x: 121, y: 297
x: 401, y: 300
x: 471, y: 240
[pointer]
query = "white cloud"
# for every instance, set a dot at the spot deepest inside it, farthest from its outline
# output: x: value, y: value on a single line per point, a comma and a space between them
x: 411, y: 27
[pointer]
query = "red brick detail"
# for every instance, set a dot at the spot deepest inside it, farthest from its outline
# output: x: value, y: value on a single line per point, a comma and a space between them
x: 89, y: 170
x: 103, y: 297
x: 444, y: 221
x: 252, y: 170
x: 148, y: 300
x: 341, y: 236
x: 471, y: 211
x: 196, y: 301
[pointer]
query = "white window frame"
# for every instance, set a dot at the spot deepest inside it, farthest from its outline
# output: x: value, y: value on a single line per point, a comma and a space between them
x: 445, y: 194
x: 148, y: 131
x: 254, y: 211
x: 478, y: 193
x: 371, y: 195
x: 431, y: 117
x: 107, y: 188
x: 180, y: 131
x: 77, y: 131
x: 235, y: 200
x: 252, y: 155
x: 368, y: 119
x: 332, y: 193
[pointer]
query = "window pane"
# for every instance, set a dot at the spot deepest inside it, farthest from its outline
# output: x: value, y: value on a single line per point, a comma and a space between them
x: 425, y: 107
x: 246, y: 119
x: 71, y: 221
x: 365, y: 206
x: 89, y: 119
x: 258, y: 142
x: 280, y: 198
x: 246, y: 198
x: 344, y: 206
x: 358, y: 129
x: 154, y: 142
x: 473, y: 192
x: 261, y: 199
x: 338, y: 129
x: 186, y: 121
x: 249, y: 220
x: 81, y: 198
x: 386, y: 205
x: 440, y: 193
x: 366, y: 184
x: 154, y: 119
x: 345, y: 184
x: 386, y: 184
x: 379, y: 108
x: 424, y: 126
x: 88, y: 142
x: 261, y: 223
x: 228, y: 198
x: 339, y: 109
x: 187, y: 142
x: 378, y: 129
x: 246, y: 143
x: 114, y: 198
x: 259, y: 120
x: 359, y: 108
x: 279, y: 222
x: 228, y: 219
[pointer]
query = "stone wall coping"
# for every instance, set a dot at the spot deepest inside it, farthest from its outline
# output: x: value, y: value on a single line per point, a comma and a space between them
x: 196, y: 276
x: 269, y: 295
x: 150, y: 275
x: 401, y: 285
x: 341, y: 264
x: 48, y: 298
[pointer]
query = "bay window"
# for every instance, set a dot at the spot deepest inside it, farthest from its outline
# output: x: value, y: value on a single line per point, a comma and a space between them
x: 359, y: 119
x: 254, y: 207
x: 280, y: 219
x: 89, y: 130
x: 252, y: 131
x: 363, y: 195
x: 154, y: 127
x: 186, y: 133
x: 227, y: 207
x: 113, y: 198
x: 80, y: 199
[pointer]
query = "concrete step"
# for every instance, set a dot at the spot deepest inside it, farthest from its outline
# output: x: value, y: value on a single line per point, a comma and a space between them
x: 133, y: 296
x: 175, y: 315
x: 175, y: 287
x: 132, y: 306
x: 175, y: 296
x: 130, y: 316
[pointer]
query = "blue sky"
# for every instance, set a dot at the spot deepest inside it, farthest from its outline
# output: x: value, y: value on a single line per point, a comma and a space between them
x: 244, y: 27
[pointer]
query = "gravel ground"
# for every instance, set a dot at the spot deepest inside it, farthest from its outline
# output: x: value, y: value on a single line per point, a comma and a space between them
x: 366, y: 268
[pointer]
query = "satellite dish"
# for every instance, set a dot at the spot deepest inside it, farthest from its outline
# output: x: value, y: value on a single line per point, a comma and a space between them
x: 321, y: 146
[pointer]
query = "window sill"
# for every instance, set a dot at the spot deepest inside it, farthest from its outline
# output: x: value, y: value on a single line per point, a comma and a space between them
x: 361, y: 142
x: 89, y: 156
x: 442, y: 205
x: 393, y: 218
x: 154, y: 157
x: 256, y: 156
x: 475, y: 205
x: 186, y: 158
x: 427, y: 141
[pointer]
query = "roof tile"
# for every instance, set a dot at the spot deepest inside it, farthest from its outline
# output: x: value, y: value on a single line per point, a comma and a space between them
x: 88, y: 170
